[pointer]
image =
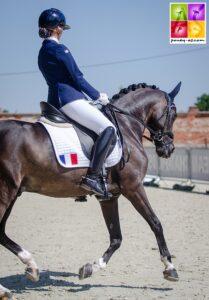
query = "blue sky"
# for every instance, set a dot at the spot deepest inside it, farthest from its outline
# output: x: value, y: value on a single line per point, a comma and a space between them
x: 102, y: 32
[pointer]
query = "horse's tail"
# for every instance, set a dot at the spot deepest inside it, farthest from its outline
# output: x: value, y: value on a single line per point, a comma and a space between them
x: 9, y: 130
x: 4, y: 130
x: 4, y: 127
x: 11, y: 141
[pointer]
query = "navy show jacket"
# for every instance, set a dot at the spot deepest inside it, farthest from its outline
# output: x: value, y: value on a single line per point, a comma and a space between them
x: 65, y: 81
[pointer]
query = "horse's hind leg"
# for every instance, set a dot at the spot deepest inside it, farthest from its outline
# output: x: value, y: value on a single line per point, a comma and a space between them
x: 141, y: 203
x: 5, y: 293
x: 31, y: 270
x: 111, y: 216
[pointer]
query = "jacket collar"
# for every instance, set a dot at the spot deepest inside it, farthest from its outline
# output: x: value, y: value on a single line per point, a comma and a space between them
x: 52, y: 38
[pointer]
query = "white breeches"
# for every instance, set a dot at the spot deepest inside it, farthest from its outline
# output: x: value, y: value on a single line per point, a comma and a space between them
x: 87, y: 115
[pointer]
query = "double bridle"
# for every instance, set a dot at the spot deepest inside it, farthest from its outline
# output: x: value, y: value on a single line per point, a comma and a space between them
x: 156, y: 136
x: 159, y: 134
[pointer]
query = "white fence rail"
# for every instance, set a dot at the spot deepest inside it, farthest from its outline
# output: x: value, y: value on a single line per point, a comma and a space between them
x: 185, y: 163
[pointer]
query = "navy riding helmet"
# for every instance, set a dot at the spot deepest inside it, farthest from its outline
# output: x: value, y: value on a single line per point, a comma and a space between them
x: 50, y: 19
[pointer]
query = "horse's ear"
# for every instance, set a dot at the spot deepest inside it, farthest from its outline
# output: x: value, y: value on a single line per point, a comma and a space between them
x: 175, y: 91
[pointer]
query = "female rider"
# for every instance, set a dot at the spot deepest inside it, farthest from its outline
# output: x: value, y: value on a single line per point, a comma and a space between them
x: 66, y: 92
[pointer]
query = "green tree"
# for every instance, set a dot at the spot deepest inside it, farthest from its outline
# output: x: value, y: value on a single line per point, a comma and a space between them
x: 203, y: 102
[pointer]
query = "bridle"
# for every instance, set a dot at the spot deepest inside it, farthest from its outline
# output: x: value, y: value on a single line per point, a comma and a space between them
x: 156, y: 136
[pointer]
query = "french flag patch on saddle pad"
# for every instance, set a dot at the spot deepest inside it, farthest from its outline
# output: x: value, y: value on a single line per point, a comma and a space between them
x: 69, y: 159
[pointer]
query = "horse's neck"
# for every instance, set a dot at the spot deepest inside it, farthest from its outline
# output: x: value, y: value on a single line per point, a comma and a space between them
x: 138, y: 105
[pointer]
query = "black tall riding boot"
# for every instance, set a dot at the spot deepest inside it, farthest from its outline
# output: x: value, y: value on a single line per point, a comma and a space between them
x: 101, y: 147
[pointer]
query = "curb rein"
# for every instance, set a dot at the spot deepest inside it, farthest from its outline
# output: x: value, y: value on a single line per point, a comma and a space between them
x: 155, y: 136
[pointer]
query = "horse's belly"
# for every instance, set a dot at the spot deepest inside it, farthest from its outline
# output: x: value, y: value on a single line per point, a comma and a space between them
x: 61, y: 185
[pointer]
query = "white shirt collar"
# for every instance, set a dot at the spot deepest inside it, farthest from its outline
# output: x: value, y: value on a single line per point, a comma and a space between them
x: 52, y: 38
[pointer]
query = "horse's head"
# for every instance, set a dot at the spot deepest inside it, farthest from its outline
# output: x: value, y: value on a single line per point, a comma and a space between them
x: 161, y: 123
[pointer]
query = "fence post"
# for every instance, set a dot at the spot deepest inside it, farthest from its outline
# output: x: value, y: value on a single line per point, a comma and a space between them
x: 158, y: 167
x: 189, y: 164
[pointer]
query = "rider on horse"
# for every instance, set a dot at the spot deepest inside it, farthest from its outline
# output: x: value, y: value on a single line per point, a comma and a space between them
x: 66, y: 92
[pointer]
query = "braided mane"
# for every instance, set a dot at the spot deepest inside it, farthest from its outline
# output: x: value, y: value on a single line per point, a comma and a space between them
x: 131, y: 88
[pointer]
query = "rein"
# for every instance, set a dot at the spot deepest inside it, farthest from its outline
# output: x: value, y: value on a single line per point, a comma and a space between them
x: 113, y: 109
x: 156, y: 136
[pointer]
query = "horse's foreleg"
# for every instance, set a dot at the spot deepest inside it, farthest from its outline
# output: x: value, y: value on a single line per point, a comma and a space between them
x: 31, y: 270
x: 141, y: 203
x: 111, y: 216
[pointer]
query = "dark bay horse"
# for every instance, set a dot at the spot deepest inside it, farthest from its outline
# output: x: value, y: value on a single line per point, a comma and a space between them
x: 28, y: 163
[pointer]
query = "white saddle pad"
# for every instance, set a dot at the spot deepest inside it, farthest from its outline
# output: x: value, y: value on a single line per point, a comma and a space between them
x: 68, y: 148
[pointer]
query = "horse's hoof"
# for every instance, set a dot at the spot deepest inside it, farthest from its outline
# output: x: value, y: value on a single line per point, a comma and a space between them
x: 81, y: 199
x: 5, y: 294
x: 171, y: 275
x: 85, y: 271
x: 32, y: 274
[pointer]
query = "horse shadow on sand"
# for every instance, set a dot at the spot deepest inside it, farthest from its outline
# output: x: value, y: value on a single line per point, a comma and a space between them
x: 20, y: 284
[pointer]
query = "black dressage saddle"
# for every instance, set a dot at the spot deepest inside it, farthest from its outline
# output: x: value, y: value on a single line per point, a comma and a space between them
x: 86, y: 136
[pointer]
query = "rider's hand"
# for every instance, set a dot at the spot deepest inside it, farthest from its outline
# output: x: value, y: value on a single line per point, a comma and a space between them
x: 103, y: 99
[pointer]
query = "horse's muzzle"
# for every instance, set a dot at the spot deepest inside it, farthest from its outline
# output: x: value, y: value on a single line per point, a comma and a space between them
x: 165, y: 147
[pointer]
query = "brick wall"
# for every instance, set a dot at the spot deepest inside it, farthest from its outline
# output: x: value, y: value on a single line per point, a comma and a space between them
x: 191, y: 128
